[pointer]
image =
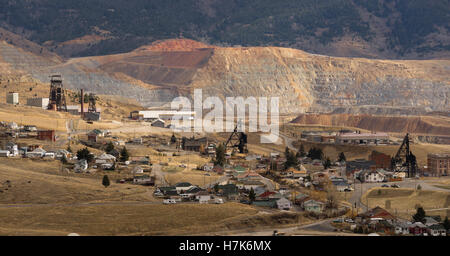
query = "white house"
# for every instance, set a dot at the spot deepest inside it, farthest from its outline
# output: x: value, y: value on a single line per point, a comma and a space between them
x: 372, y: 176
x: 183, y: 186
x: 81, y: 165
x: 204, y: 199
x: 284, y: 204
x: 37, y: 153
x: 12, y: 148
x: 138, y: 170
x: 105, y: 159
x: 4, y: 153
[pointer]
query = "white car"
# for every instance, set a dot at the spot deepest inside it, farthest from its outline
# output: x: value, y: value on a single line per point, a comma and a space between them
x: 169, y: 201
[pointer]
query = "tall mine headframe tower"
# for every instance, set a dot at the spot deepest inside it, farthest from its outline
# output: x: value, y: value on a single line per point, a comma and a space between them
x: 405, y: 159
x: 57, y: 98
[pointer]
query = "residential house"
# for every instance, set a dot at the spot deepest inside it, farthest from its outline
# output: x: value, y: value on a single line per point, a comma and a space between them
x: 105, y: 159
x: 249, y: 184
x: 37, y: 153
x: 208, y: 167
x: 159, y: 123
x: 341, y: 185
x: 182, y: 187
x: 144, y: 180
x: 377, y: 213
x: 429, y: 221
x: 371, y: 176
x: 46, y: 135
x: 437, y: 230
x: 230, y: 191
x: 402, y: 228
x: 284, y: 204
x: 313, y: 206
x: 12, y: 148
x: 192, y: 144
x: 81, y: 165
x: 4, y: 153
x: 266, y: 202
x: 138, y: 170
x: 418, y: 229
x: 302, y: 173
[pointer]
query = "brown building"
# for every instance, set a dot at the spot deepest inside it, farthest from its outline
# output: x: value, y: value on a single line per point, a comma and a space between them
x: 46, y: 135
x: 381, y: 160
x: 192, y: 144
x: 438, y: 164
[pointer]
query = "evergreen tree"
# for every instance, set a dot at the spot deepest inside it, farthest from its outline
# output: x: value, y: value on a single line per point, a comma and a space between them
x: 301, y: 151
x: 327, y: 163
x: 109, y: 148
x: 69, y: 149
x: 291, y: 159
x: 85, y: 154
x: 251, y: 195
x: 315, y: 153
x: 446, y: 223
x: 220, y: 155
x: 173, y: 139
x: 342, y: 157
x: 124, y: 155
x: 420, y: 215
x: 105, y: 181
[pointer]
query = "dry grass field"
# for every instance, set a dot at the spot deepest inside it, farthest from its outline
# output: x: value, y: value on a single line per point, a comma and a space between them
x: 119, y: 220
x: 355, y: 152
x: 404, y: 201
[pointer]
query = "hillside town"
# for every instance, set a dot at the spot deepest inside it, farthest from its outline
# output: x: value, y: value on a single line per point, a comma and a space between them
x: 299, y: 179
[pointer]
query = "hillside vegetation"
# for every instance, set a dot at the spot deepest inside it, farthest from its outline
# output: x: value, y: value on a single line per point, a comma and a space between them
x: 368, y: 28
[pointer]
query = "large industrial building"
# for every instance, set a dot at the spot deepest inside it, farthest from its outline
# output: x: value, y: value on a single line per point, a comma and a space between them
x: 152, y: 115
x: 375, y: 138
x: 438, y: 164
x: 38, y: 102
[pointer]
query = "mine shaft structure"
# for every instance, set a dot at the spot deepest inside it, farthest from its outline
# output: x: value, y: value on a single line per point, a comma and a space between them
x: 57, y: 98
x: 405, y: 159
x: 237, y: 140
x: 92, y: 108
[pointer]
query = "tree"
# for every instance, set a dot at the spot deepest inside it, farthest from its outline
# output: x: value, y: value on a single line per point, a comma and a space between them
x: 64, y: 159
x: 173, y: 139
x: 220, y: 155
x: 342, y: 157
x: 69, y: 149
x: 420, y: 215
x: 216, y: 188
x: 124, y: 155
x: 301, y: 151
x: 251, y: 195
x: 315, y: 153
x: 446, y: 223
x: 327, y: 163
x: 105, y: 181
x: 109, y: 148
x: 291, y: 159
x: 85, y: 154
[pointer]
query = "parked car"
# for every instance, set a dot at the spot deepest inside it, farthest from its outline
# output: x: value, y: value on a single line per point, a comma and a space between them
x: 169, y: 201
x: 244, y: 201
x: 385, y: 186
x: 349, y: 221
x: 395, y: 186
x: 218, y: 201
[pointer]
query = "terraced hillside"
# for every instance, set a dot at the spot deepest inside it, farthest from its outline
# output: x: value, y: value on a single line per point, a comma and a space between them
x: 155, y: 74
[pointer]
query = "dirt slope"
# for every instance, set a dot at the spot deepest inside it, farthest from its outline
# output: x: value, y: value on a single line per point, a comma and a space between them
x: 411, y: 124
